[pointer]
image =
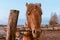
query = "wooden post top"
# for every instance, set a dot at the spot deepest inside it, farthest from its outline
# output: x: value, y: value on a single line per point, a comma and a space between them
x: 13, y: 10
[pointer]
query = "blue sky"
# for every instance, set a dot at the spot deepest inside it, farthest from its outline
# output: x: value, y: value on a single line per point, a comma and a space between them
x: 48, y: 7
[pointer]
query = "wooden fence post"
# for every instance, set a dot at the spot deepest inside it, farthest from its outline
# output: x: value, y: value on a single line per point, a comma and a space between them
x: 12, y: 24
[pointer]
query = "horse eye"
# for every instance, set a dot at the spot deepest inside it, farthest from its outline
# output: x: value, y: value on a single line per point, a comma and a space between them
x: 36, y: 6
x: 28, y: 13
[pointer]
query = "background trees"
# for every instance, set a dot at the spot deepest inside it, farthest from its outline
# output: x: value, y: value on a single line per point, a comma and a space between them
x: 53, y: 20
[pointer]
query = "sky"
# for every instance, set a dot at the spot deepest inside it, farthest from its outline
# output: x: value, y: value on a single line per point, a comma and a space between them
x: 48, y: 8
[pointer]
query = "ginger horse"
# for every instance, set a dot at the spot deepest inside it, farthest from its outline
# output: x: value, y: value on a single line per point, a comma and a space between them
x: 33, y: 15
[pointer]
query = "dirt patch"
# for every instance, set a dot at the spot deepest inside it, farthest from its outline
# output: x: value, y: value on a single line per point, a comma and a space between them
x: 50, y: 35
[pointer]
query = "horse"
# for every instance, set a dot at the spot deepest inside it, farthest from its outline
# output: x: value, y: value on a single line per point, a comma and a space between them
x: 34, y: 18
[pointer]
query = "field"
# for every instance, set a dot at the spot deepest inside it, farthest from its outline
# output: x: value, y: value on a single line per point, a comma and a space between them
x: 47, y: 34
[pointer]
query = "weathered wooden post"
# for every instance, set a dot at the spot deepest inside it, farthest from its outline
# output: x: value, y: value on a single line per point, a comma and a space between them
x: 12, y: 24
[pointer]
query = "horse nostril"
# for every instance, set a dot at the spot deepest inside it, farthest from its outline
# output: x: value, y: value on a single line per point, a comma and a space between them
x: 34, y: 31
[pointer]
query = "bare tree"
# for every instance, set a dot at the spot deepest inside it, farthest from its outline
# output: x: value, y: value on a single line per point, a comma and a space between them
x: 53, y: 20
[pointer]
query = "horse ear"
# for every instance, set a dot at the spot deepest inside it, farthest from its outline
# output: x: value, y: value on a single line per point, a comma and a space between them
x: 39, y: 5
x: 27, y: 4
